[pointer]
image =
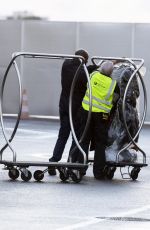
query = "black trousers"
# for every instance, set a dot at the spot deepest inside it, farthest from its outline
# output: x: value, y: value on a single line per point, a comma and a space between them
x: 97, y: 130
x: 63, y: 136
x: 64, y: 133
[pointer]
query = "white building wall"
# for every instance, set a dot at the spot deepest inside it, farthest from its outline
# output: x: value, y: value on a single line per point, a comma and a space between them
x: 41, y: 77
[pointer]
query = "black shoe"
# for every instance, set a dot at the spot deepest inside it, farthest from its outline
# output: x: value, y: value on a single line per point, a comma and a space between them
x: 99, y: 174
x: 53, y: 159
x: 99, y: 177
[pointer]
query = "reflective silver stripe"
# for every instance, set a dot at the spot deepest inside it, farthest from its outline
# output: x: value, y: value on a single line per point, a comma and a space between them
x: 98, y: 100
x: 97, y: 106
x: 110, y: 89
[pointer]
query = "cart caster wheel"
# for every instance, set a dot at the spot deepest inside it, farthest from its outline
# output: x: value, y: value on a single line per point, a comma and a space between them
x: 38, y: 175
x: 52, y: 171
x: 26, y: 175
x: 76, y: 176
x: 134, y: 173
x: 64, y: 175
x: 13, y: 173
x: 110, y: 173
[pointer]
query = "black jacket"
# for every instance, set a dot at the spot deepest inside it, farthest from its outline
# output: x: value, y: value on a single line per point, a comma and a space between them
x: 68, y: 71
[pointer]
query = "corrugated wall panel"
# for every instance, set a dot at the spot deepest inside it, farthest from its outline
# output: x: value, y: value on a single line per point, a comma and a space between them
x: 142, y: 41
x: 106, y: 39
x: 40, y: 77
x: 10, y: 41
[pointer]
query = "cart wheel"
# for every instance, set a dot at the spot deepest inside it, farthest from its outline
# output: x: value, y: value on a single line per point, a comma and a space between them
x: 38, y: 175
x: 64, y: 175
x: 13, y: 173
x: 110, y: 172
x: 134, y: 173
x: 26, y: 175
x: 52, y: 171
x: 76, y: 176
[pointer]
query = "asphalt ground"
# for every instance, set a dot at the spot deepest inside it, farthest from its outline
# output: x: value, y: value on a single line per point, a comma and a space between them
x: 51, y: 204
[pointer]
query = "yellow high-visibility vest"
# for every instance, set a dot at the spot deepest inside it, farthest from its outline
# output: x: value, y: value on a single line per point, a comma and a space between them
x: 102, y: 93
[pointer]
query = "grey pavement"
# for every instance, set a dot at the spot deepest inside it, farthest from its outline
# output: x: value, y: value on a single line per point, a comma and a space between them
x: 51, y: 204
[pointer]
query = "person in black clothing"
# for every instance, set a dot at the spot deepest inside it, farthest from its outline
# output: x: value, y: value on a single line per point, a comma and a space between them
x: 68, y: 71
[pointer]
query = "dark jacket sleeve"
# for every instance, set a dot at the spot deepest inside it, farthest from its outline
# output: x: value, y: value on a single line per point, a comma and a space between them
x: 92, y: 68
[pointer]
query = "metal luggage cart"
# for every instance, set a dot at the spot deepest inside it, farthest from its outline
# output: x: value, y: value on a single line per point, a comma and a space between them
x: 66, y: 170
x: 133, y: 168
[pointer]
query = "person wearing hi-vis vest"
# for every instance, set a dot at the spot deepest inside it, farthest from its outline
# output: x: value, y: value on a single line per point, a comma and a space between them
x: 104, y: 91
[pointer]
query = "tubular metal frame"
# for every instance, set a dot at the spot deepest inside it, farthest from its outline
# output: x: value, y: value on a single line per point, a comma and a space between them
x: 81, y: 59
x: 136, y: 71
x: 44, y: 56
x: 89, y: 113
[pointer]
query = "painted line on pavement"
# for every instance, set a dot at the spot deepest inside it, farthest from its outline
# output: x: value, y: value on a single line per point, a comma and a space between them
x: 31, y: 131
x: 82, y: 224
x: 95, y: 220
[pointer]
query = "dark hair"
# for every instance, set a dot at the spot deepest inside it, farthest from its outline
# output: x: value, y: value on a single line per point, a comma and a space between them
x: 82, y: 53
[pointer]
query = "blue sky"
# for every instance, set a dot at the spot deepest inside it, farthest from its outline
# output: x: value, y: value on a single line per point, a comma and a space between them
x: 82, y: 10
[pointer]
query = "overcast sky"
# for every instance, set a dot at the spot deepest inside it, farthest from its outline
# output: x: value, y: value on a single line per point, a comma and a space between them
x: 82, y: 10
